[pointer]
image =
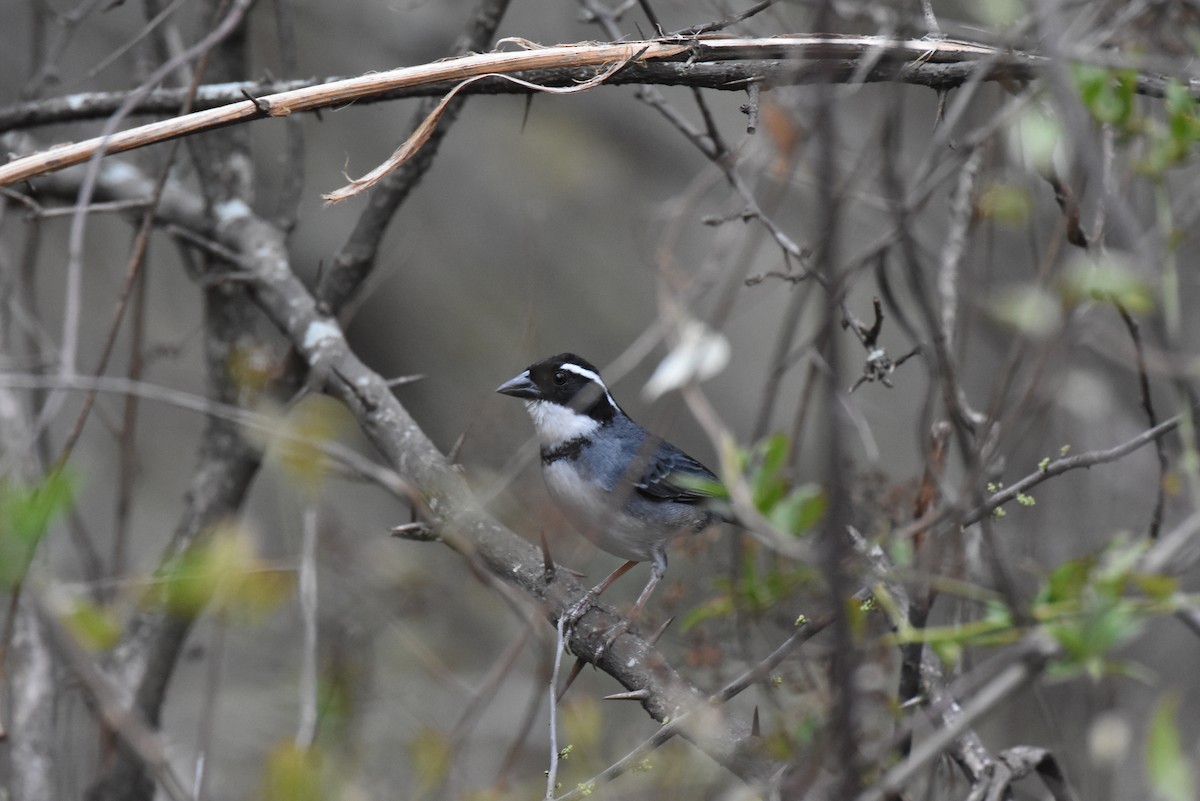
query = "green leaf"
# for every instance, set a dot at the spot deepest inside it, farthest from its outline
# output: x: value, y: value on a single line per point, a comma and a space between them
x: 1005, y: 203
x: 719, y: 607
x: 1158, y: 587
x: 93, y: 627
x: 1067, y: 581
x: 767, y: 485
x: 950, y: 653
x: 1178, y: 99
x: 295, y: 774
x: 705, y: 486
x: 223, y: 570
x: 1169, y: 770
x: 29, y: 510
x: 25, y: 515
x: 1116, y: 564
x: 1110, y: 280
x: 302, y: 436
x: 901, y: 552
x: 800, y: 510
x: 1107, y: 94
x: 431, y: 755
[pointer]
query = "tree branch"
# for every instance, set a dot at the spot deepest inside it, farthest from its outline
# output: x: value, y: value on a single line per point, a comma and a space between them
x: 453, y: 510
x: 822, y: 58
x: 1059, y: 466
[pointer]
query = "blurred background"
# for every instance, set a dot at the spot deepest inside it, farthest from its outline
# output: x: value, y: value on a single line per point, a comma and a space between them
x: 586, y: 223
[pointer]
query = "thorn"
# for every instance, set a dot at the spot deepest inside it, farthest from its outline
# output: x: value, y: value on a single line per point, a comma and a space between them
x: 417, y: 532
x: 908, y: 356
x: 405, y: 379
x: 940, y: 114
x: 755, y: 728
x: 547, y: 562
x: 452, y: 457
x: 660, y: 631
x: 261, y: 105
x: 574, y: 674
x: 528, y: 106
x: 632, y: 695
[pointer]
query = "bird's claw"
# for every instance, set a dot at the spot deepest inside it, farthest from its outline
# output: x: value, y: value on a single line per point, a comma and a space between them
x: 611, y: 636
x: 575, y: 612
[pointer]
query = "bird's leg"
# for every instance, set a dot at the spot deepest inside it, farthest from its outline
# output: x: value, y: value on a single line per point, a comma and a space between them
x: 658, y: 569
x: 577, y: 609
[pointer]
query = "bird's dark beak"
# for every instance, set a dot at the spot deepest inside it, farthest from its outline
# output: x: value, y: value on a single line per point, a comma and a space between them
x: 520, y: 387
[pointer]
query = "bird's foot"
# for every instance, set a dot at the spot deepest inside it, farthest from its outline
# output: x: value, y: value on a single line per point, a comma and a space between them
x: 575, y: 613
x: 610, y: 637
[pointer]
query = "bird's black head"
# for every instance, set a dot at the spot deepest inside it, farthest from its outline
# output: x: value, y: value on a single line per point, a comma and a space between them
x: 566, y: 380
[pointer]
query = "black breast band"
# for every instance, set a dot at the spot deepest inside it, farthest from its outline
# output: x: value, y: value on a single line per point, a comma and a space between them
x: 567, y: 450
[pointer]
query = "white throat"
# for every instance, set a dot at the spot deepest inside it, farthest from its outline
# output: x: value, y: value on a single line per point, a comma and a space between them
x: 557, y: 424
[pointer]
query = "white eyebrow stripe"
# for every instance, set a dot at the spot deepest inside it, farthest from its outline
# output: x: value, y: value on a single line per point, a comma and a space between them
x: 583, y: 371
x: 591, y: 375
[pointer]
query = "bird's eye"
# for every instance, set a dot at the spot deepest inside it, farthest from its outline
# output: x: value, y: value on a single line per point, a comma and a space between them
x: 560, y: 378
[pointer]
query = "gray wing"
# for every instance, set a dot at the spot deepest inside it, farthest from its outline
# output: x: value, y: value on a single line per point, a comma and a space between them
x: 672, y: 475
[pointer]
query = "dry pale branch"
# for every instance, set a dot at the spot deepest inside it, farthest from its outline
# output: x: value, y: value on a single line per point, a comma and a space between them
x: 409, y: 147
x: 799, y: 49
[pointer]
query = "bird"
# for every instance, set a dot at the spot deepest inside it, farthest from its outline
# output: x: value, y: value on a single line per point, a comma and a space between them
x: 628, y: 491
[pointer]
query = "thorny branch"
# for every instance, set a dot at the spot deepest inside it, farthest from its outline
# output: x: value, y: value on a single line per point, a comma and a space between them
x: 825, y: 54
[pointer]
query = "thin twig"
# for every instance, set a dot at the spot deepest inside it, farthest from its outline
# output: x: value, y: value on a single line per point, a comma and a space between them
x: 1062, y: 465
x: 306, y: 731
x: 1135, y: 334
x: 212, y: 683
x: 559, y: 647
x: 721, y: 24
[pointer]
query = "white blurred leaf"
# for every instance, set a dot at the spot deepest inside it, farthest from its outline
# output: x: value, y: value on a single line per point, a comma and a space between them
x: 700, y: 354
x: 1029, y: 309
x: 1035, y: 141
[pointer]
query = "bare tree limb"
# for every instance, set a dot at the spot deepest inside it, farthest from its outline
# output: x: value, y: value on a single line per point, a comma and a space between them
x: 824, y: 52
x: 725, y: 75
x: 319, y: 341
